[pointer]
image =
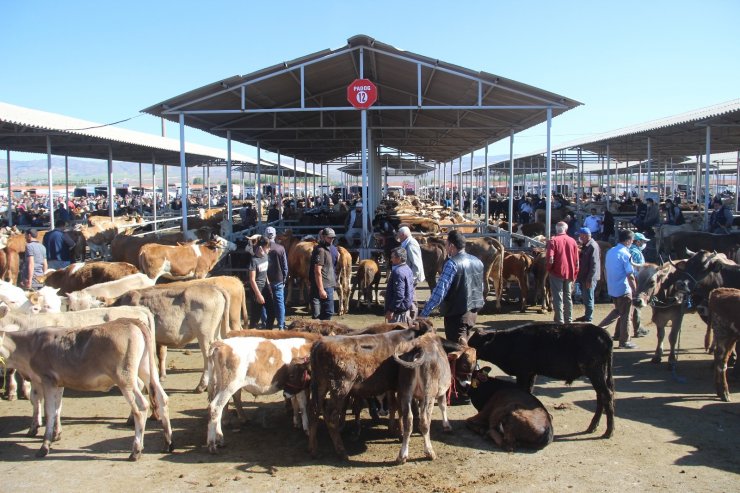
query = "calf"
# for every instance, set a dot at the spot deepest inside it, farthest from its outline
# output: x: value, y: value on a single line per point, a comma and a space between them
x: 424, y: 375
x: 76, y: 277
x: 516, y: 268
x: 724, y: 322
x: 113, y: 289
x: 508, y: 414
x: 542, y: 284
x: 560, y: 351
x: 183, y: 314
x: 183, y: 261
x: 352, y: 366
x: 91, y: 358
x: 323, y: 327
x: 255, y: 364
x: 343, y: 271
x: 367, y: 277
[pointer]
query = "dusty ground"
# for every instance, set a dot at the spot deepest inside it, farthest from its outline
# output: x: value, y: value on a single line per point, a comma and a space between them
x: 671, y: 433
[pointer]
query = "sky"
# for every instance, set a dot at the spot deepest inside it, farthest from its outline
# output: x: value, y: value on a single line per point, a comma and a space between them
x: 627, y: 61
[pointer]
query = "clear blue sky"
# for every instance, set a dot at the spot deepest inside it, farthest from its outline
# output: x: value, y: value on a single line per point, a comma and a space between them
x: 627, y: 61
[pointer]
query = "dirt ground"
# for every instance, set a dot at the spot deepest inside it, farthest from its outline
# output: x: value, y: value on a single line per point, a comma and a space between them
x: 671, y: 433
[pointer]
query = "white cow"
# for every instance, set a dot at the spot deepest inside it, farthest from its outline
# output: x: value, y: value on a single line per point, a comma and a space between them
x: 87, y: 298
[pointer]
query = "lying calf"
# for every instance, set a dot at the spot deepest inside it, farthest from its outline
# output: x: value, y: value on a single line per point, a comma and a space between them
x: 507, y: 414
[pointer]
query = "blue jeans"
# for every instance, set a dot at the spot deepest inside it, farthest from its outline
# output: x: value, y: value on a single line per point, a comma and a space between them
x: 322, y: 309
x: 278, y: 306
x: 587, y: 295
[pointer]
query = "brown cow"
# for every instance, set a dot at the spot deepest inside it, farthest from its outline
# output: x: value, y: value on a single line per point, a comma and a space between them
x: 424, y: 375
x: 490, y: 251
x: 299, y: 262
x: 183, y: 261
x: 343, y: 273
x: 15, y: 247
x: 724, y: 321
x: 367, y: 277
x: 516, y: 268
x: 352, y: 366
x: 119, y: 353
x: 78, y: 276
x: 323, y: 327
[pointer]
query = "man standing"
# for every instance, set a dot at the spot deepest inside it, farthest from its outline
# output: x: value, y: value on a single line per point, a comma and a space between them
x: 562, y: 265
x: 589, y: 272
x: 259, y: 289
x: 720, y: 221
x: 673, y: 214
x: 35, y: 263
x: 620, y: 281
x: 413, y: 259
x: 353, y: 225
x: 277, y: 273
x: 399, y: 295
x: 593, y: 223
x: 639, y: 243
x: 459, y: 291
x: 58, y: 245
x: 322, y: 278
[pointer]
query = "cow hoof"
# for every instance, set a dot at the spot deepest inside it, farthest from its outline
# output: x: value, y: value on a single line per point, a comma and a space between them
x: 725, y: 397
x: 134, y: 456
x: 170, y: 447
x: 400, y: 460
x: 56, y: 437
x: 431, y: 455
x: 212, y: 448
x: 655, y: 359
x: 12, y: 397
x: 43, y: 451
x: 591, y: 429
x: 200, y: 388
x: 447, y: 428
x: 32, y: 432
x: 608, y: 434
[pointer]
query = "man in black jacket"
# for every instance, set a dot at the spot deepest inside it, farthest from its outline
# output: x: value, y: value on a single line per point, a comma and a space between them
x: 589, y: 272
x: 459, y: 291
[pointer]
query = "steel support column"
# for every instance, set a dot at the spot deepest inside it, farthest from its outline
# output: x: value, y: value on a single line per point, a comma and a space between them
x: 10, y: 189
x: 49, y: 177
x: 511, y: 186
x: 229, y: 205
x: 183, y: 175
x: 707, y: 195
x: 548, y: 197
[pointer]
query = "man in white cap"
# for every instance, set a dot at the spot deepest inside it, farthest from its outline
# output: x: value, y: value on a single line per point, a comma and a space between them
x: 413, y: 260
x: 353, y: 225
x: 277, y: 274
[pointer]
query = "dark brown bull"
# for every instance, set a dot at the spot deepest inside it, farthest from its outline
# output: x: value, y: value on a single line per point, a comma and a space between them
x: 726, y: 327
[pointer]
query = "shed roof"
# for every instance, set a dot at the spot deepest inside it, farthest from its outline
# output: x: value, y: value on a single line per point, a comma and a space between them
x: 427, y: 107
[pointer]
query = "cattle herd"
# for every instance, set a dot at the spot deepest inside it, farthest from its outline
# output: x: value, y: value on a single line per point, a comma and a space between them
x: 109, y: 323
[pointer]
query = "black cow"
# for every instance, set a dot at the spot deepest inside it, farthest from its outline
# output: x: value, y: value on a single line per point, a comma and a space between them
x: 686, y: 241
x: 560, y: 351
x: 704, y: 272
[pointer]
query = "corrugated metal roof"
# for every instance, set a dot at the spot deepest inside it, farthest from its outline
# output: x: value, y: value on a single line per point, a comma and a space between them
x: 25, y: 130
x: 323, y: 130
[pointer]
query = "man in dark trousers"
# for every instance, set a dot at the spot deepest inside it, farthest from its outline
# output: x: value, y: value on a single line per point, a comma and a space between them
x: 589, y: 271
x: 259, y: 289
x: 459, y: 291
x: 399, y: 295
x: 277, y: 273
x: 322, y: 278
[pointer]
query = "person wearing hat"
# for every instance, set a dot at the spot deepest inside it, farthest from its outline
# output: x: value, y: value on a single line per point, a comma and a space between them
x: 321, y: 277
x: 638, y: 260
x: 353, y: 224
x: 413, y: 260
x: 589, y: 272
x: 35, y: 263
x: 277, y: 274
x: 721, y: 219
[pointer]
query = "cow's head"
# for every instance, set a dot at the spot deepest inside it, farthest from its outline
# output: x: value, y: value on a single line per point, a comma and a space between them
x: 79, y: 300
x: 463, y: 363
x: 422, y: 326
x: 50, y: 300
x: 298, y: 376
x: 222, y: 243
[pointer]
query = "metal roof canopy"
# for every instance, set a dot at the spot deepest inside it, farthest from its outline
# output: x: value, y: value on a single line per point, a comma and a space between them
x: 397, y: 164
x: 426, y: 107
x: 26, y: 130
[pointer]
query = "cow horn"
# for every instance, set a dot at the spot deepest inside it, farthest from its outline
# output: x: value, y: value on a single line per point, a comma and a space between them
x: 670, y: 261
x: 690, y: 252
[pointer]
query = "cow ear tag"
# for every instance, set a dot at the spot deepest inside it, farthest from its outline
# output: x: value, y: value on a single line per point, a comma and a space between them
x: 474, y: 384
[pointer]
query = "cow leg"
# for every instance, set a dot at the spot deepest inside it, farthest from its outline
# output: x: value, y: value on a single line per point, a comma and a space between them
x: 660, y: 325
x: 50, y: 408
x: 36, y: 401
x: 604, y: 386
x: 722, y: 353
x: 12, y: 392
x: 203, y: 384
x: 673, y: 336
x: 300, y: 401
x: 139, y: 410
x: 215, y: 410
x: 58, y: 416
x: 357, y: 405
x: 442, y: 403
x: 158, y: 398
x: 162, y: 358
x: 333, y: 411
x: 25, y: 387
x: 425, y: 421
x: 407, y: 419
x: 237, y: 398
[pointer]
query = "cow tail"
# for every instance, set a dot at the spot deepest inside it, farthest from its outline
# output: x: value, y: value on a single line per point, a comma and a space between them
x: 245, y: 315
x: 226, y: 317
x: 417, y: 355
x: 153, y: 384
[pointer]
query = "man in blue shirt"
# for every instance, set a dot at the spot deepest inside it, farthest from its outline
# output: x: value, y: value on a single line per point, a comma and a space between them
x: 459, y: 291
x: 638, y: 259
x: 399, y: 295
x: 58, y: 246
x: 620, y: 281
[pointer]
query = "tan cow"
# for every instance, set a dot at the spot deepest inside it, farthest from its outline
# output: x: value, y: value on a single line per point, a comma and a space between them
x: 85, y: 298
x: 724, y: 322
x: 343, y: 273
x: 516, y: 268
x: 16, y: 245
x: 490, y: 251
x: 182, y: 262
x: 118, y: 353
x: 299, y: 261
x: 183, y: 314
x: 78, y: 276
x: 368, y: 276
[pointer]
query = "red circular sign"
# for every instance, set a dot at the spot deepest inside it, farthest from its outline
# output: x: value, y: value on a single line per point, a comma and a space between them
x: 362, y: 94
